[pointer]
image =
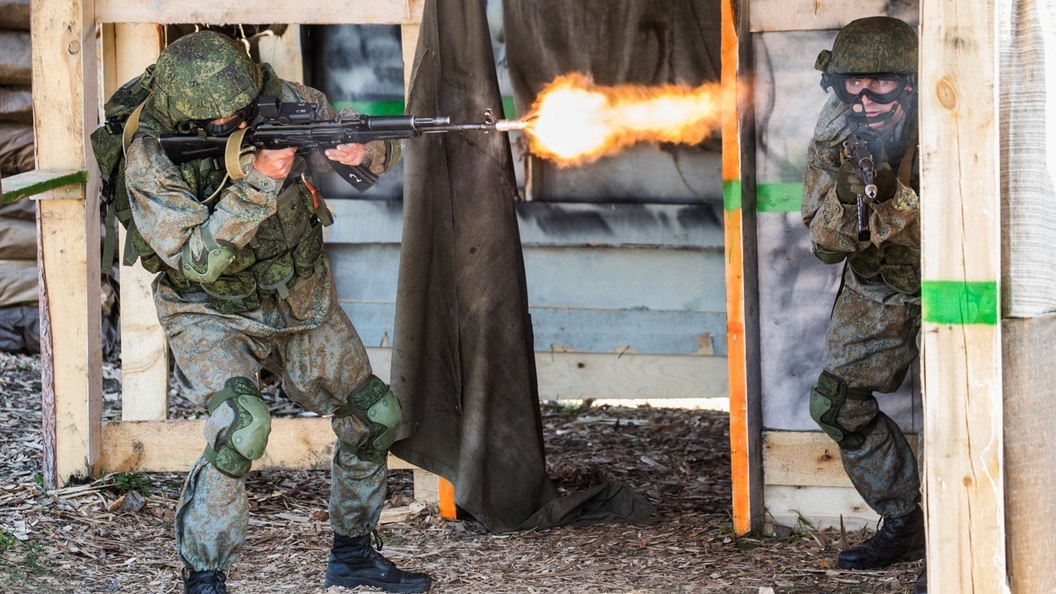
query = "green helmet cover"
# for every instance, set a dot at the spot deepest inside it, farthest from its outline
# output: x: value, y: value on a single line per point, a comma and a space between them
x: 873, y: 45
x: 204, y: 76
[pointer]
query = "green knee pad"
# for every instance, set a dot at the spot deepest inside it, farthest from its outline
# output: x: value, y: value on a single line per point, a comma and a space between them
x: 245, y: 439
x: 826, y: 402
x: 375, y: 404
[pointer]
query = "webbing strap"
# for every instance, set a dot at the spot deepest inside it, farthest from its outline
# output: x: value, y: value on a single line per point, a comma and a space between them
x: 131, y: 127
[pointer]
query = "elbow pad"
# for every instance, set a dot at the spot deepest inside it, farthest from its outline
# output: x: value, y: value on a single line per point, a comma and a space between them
x: 211, y: 263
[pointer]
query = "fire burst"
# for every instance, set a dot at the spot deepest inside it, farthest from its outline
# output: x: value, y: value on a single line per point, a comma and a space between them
x: 574, y: 121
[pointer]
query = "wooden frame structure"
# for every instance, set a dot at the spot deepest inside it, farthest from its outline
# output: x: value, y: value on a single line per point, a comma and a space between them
x: 67, y: 95
x: 961, y: 338
x: 961, y: 350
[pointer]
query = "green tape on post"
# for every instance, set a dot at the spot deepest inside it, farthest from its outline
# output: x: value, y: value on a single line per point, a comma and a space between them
x: 731, y: 195
x: 959, y: 303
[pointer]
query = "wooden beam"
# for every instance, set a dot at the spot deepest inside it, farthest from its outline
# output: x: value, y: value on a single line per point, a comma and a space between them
x: 64, y: 108
x: 960, y: 233
x: 315, y: 12
x: 811, y: 15
x: 128, y: 49
x: 175, y: 445
x: 738, y: 180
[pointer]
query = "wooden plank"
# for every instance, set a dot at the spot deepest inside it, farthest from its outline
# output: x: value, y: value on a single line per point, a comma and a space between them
x: 822, y: 507
x: 316, y: 12
x: 738, y: 170
x: 426, y: 486
x: 130, y: 48
x: 1030, y: 463
x: 960, y: 162
x: 805, y: 459
x: 175, y: 445
x: 576, y: 376
x: 571, y: 376
x: 64, y: 51
x: 409, y: 45
x: 811, y: 15
x: 283, y: 52
x: 38, y: 181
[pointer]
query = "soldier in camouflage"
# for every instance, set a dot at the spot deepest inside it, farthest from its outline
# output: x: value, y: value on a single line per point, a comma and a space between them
x: 873, y: 334
x: 244, y: 284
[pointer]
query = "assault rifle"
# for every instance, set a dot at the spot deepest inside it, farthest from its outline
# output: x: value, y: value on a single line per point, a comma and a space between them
x: 856, y: 149
x: 280, y: 125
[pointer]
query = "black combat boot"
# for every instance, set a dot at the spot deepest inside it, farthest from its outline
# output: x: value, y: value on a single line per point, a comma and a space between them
x: 921, y: 585
x: 900, y: 539
x: 354, y: 562
x: 204, y: 582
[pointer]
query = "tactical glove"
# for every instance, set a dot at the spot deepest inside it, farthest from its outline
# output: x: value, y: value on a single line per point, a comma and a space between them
x: 847, y: 183
x: 886, y: 183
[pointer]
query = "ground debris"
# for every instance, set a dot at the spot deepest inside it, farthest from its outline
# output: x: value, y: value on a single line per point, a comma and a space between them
x: 98, y: 538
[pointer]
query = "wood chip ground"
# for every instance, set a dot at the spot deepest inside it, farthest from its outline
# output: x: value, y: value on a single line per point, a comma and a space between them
x: 114, y: 534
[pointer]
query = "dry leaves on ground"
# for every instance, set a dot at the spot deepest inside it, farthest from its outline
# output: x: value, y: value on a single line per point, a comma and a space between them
x: 100, y: 537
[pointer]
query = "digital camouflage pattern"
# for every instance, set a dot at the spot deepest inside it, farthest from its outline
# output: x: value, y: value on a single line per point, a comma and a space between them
x: 205, y: 76
x: 873, y: 45
x: 872, y: 336
x: 299, y: 333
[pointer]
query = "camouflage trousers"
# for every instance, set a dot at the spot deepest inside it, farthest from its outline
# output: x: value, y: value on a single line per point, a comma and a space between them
x: 319, y: 367
x: 872, y: 341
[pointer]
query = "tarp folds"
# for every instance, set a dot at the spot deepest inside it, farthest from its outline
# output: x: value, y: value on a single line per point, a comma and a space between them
x: 623, y: 41
x: 463, y: 358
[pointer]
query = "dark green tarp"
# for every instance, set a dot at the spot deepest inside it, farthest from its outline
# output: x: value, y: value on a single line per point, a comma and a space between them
x: 463, y: 360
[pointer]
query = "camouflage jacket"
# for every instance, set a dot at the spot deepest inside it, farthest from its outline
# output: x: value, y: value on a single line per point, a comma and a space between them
x: 892, y: 254
x: 264, y: 219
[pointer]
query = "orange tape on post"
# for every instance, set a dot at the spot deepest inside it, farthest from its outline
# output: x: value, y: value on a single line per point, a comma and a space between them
x: 447, y: 499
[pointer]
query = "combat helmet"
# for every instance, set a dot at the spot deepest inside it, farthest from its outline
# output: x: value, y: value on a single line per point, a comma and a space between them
x: 205, y: 76
x: 881, y: 49
x: 873, y: 45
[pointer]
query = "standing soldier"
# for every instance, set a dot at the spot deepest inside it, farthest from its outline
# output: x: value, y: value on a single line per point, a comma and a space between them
x: 868, y: 129
x: 244, y: 284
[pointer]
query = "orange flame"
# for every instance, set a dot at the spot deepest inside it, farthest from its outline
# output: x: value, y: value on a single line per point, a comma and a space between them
x: 574, y: 121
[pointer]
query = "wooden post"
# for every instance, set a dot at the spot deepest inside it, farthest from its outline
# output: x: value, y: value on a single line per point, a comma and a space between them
x: 64, y: 107
x: 128, y: 49
x: 742, y: 312
x: 960, y: 232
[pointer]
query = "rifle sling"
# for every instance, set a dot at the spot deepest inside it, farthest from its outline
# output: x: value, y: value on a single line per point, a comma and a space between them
x: 131, y: 127
x: 233, y: 155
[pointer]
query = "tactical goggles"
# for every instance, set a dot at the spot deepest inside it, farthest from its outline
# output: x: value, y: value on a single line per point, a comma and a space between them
x: 221, y: 126
x: 880, y: 88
